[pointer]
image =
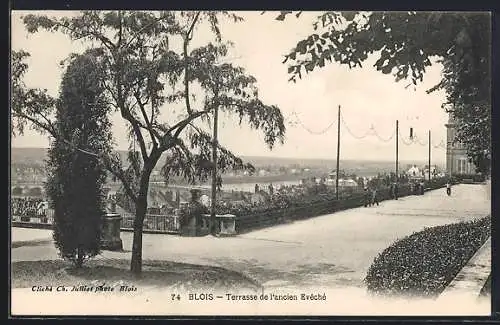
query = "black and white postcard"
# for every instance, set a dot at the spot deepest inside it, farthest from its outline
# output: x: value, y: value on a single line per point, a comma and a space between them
x: 250, y: 163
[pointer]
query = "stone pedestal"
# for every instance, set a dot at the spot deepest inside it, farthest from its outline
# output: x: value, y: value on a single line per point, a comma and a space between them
x: 189, y: 228
x: 226, y: 224
x: 111, y: 232
x: 194, y: 227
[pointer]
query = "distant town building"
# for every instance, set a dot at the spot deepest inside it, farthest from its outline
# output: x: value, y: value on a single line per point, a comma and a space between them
x: 457, y: 161
x: 347, y: 183
x: 205, y: 200
x: 414, y: 171
x: 263, y: 172
x: 343, y: 182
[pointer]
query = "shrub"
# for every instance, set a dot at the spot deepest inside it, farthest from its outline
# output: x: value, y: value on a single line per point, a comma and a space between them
x: 76, y: 179
x: 459, y: 178
x: 424, y: 263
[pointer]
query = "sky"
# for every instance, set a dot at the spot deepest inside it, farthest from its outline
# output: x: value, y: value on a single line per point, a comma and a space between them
x: 367, y: 97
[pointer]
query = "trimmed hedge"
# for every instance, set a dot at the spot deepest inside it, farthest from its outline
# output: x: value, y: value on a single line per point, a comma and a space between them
x: 477, y: 178
x: 424, y: 263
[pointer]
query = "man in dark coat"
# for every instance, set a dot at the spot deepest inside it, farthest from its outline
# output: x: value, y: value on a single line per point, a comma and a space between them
x: 374, y: 196
x: 271, y: 189
x: 367, y: 197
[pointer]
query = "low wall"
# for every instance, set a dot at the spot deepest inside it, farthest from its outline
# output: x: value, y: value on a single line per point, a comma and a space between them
x: 33, y: 225
x: 252, y: 221
x: 245, y: 222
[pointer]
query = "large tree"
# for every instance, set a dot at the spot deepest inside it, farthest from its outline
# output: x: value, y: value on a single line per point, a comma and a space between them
x: 405, y: 44
x: 76, y: 179
x: 147, y: 79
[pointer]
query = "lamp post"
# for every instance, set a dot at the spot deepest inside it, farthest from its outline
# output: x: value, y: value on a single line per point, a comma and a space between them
x: 338, y: 156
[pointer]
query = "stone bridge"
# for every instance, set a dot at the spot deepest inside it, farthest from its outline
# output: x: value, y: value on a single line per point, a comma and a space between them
x: 27, y: 189
x: 37, y: 190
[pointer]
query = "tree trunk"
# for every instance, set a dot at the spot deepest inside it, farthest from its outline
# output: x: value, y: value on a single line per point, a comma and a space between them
x: 140, y: 214
x: 79, y: 258
x: 141, y: 206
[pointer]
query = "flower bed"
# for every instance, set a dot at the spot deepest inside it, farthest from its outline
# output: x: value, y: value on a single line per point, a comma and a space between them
x: 424, y: 263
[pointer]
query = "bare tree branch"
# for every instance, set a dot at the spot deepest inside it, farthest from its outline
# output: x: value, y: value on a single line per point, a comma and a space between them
x: 186, y: 76
x: 193, y: 23
x: 137, y: 131
x: 187, y: 39
x: 118, y: 173
x: 148, y: 122
x: 49, y: 127
x: 182, y: 124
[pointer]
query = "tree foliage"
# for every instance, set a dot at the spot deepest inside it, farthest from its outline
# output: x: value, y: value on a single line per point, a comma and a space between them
x: 405, y: 44
x: 147, y: 77
x: 28, y: 105
x: 76, y: 179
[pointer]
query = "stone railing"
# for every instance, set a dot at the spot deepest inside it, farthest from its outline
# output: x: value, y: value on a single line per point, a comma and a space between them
x: 154, y: 223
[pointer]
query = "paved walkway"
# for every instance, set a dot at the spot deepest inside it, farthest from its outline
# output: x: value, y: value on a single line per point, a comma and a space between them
x: 329, y: 251
x: 471, y: 279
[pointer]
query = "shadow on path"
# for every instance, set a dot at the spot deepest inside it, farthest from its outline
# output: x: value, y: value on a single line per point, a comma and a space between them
x: 31, y: 243
x: 302, y: 275
x: 115, y: 272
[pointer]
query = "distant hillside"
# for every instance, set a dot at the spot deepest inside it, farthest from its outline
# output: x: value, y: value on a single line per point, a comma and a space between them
x: 28, y: 155
x: 38, y: 155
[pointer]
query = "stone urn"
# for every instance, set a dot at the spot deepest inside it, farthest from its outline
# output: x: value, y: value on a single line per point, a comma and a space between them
x: 195, y: 221
x: 111, y: 232
x: 226, y: 224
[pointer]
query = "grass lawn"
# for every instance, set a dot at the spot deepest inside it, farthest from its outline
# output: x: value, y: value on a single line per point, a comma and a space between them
x: 161, y: 274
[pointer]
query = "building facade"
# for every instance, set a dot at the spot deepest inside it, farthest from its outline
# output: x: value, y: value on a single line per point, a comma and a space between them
x: 457, y: 161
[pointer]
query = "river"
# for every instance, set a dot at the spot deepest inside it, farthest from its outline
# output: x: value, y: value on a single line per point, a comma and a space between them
x: 250, y: 187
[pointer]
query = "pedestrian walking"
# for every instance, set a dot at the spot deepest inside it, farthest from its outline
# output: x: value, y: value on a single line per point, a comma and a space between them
x: 271, y: 189
x: 367, y: 197
x: 448, y: 188
x: 374, y: 196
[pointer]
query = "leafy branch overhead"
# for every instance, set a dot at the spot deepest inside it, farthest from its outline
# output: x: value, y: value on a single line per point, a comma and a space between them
x: 405, y: 44
x: 135, y: 51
